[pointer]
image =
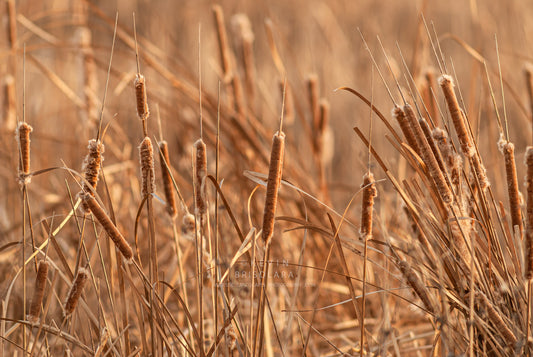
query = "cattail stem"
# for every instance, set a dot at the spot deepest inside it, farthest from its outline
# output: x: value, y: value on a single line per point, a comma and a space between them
x: 273, y: 184
x: 23, y: 138
x: 200, y: 173
x: 146, y: 158
x: 75, y: 292
x: 110, y: 228
x: 167, y: 179
x: 38, y: 293
x: 369, y: 193
x: 529, y: 213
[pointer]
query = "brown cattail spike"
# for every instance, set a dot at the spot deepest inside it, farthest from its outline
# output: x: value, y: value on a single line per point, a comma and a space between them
x: 529, y: 213
x: 110, y: 228
x: 416, y: 284
x: 222, y: 41
x: 273, y: 184
x: 507, y: 149
x: 146, y: 158
x: 312, y: 88
x: 167, y: 179
x: 23, y: 137
x: 140, y: 93
x: 458, y: 119
x: 496, y: 319
x: 369, y: 193
x: 200, y: 173
x: 427, y: 155
x: 75, y: 291
x: 38, y: 293
x: 399, y: 115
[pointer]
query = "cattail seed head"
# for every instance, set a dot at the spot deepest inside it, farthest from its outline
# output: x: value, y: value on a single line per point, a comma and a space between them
x: 273, y: 184
x: 188, y: 226
x: 140, y: 93
x: 91, y: 168
x: 200, y: 174
x: 75, y: 292
x: 427, y: 156
x: 38, y: 293
x: 146, y: 158
x: 458, y: 118
x: 416, y: 284
x: 507, y: 149
x: 108, y: 225
x: 460, y: 230
x: 23, y: 137
x: 369, y: 193
x: 167, y: 179
x: 496, y: 319
x: 400, y: 117
x: 222, y: 41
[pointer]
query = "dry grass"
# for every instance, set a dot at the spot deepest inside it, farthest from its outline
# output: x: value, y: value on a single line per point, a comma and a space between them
x: 256, y: 247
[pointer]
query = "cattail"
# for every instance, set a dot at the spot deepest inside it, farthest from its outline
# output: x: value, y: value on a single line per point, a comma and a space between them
x: 188, y: 226
x: 480, y: 172
x: 199, y: 178
x: 416, y: 284
x: 458, y: 118
x: 222, y: 41
x: 75, y: 291
x: 273, y: 183
x: 167, y: 179
x: 231, y: 337
x: 497, y: 320
x: 529, y: 85
x: 507, y: 149
x: 91, y: 165
x: 244, y: 29
x: 38, y: 293
x: 369, y: 193
x: 146, y: 158
x: 399, y: 115
x: 23, y: 137
x: 529, y: 212
x: 436, y: 153
x: 239, y: 105
x: 140, y: 93
x: 10, y: 119
x: 322, y: 124
x: 312, y: 88
x: 453, y: 160
x: 110, y: 228
x: 428, y: 157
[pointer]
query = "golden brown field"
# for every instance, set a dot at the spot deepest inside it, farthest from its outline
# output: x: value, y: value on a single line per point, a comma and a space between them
x: 266, y: 178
